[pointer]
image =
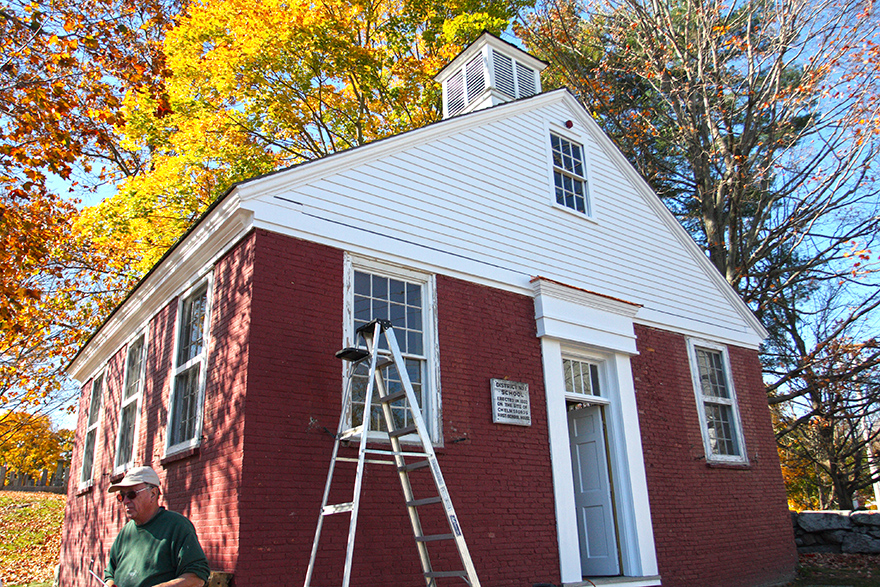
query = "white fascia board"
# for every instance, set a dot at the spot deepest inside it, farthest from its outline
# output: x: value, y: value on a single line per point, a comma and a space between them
x: 185, y: 263
x: 745, y: 337
x: 663, y: 213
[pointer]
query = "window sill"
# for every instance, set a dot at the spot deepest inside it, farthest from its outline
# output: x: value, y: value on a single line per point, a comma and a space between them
x: 84, y: 488
x: 179, y: 456
x: 734, y: 466
x: 582, y: 215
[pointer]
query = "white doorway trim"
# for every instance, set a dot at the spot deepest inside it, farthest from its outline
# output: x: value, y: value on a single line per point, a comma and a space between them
x: 638, y: 557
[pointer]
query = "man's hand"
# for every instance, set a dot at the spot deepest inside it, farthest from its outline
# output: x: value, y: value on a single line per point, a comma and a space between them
x: 185, y: 580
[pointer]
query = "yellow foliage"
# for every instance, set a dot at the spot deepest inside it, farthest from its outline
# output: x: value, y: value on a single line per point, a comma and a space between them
x: 29, y: 444
x: 254, y: 86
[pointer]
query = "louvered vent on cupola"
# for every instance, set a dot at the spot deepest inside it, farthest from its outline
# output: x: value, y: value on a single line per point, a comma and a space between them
x: 488, y: 72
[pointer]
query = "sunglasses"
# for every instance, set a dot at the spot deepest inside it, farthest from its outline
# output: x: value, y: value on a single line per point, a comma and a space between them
x: 120, y: 497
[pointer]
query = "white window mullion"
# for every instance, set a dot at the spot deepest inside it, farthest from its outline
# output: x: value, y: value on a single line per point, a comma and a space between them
x: 95, y: 399
x: 186, y: 399
x: 720, y: 422
x: 129, y: 405
x: 405, y: 298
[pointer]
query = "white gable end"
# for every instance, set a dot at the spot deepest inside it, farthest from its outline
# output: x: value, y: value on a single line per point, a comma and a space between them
x: 476, y: 200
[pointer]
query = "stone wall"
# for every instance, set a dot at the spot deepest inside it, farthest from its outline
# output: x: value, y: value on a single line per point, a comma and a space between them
x: 837, y: 531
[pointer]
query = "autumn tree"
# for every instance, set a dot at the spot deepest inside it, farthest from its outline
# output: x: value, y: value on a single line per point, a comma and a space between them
x: 258, y: 86
x: 29, y: 444
x: 65, y: 69
x: 757, y: 123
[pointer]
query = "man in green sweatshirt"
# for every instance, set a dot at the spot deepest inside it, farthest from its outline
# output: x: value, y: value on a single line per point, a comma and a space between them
x: 157, y: 547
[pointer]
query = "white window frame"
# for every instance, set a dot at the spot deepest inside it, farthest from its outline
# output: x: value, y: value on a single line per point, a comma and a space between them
x: 135, y: 399
x: 200, y: 360
x: 702, y: 400
x: 431, y: 411
x: 583, y: 179
x: 92, y: 427
x: 593, y: 360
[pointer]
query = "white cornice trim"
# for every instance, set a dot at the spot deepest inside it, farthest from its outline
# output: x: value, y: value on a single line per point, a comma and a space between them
x: 582, y: 297
x: 189, y: 261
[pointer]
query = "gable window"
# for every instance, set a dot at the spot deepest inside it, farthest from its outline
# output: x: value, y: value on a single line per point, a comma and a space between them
x: 404, y: 299
x: 130, y: 404
x: 716, y: 402
x: 569, y: 174
x: 92, y: 430
x: 187, y: 395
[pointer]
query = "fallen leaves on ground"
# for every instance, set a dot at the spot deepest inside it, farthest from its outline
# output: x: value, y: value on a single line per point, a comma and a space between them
x: 30, y: 536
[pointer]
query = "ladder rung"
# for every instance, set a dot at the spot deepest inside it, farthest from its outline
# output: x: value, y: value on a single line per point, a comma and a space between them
x: 383, y: 361
x: 414, y: 466
x: 368, y: 461
x: 351, y: 432
x: 435, y: 537
x: 396, y: 453
x: 337, y: 508
x: 425, y: 501
x: 403, y: 431
x: 441, y: 574
x: 393, y: 397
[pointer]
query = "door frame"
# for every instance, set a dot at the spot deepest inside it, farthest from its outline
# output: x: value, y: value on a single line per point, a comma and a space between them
x: 629, y: 490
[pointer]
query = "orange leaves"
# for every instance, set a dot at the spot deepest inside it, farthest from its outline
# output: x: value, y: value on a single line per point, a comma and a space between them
x: 30, y: 535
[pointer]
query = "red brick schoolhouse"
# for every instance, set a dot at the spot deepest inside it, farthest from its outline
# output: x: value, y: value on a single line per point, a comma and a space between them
x: 509, y: 241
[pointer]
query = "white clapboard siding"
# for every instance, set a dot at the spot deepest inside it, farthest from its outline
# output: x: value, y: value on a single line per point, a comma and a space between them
x: 477, y: 202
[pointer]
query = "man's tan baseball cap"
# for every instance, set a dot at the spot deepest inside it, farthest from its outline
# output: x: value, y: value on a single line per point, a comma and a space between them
x: 136, y: 476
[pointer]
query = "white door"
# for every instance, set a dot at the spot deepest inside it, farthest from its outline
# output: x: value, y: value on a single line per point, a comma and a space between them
x: 592, y: 493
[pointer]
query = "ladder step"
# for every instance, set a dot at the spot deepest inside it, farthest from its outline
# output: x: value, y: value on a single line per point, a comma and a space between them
x: 441, y: 574
x: 338, y: 508
x: 435, y: 537
x: 414, y: 466
x: 352, y: 354
x: 383, y: 362
x: 370, y: 326
x: 351, y: 432
x: 425, y: 501
x: 393, y: 397
x: 403, y: 431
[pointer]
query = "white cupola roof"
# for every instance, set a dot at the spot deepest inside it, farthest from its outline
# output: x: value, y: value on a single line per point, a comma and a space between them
x: 488, y: 72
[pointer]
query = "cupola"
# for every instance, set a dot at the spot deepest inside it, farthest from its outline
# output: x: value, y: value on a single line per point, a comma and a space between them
x: 488, y: 72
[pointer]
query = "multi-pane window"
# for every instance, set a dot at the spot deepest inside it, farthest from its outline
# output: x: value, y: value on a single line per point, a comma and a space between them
x: 130, y: 405
x: 184, y: 420
x: 581, y: 377
x: 92, y: 429
x: 716, y: 398
x: 403, y: 303
x: 569, y: 174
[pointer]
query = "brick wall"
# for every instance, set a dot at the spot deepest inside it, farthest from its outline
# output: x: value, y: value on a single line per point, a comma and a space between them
x: 203, y: 485
x: 294, y: 390
x: 253, y: 489
x: 498, y: 476
x: 713, y: 526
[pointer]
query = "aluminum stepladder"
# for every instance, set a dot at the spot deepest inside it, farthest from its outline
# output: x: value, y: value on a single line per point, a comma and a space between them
x: 406, y: 457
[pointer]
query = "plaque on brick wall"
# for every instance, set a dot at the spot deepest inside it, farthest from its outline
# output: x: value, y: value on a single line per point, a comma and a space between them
x: 510, y: 403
